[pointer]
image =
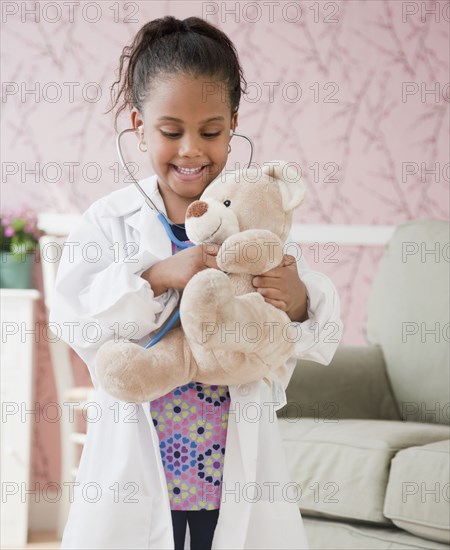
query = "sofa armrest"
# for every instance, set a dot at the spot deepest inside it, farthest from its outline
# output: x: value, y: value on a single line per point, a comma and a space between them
x: 354, y: 385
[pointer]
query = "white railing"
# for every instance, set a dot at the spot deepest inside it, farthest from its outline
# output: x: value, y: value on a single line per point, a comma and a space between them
x: 349, y: 235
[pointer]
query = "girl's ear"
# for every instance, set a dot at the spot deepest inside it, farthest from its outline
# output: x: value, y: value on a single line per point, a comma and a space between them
x: 234, y: 121
x: 292, y: 187
x: 136, y: 120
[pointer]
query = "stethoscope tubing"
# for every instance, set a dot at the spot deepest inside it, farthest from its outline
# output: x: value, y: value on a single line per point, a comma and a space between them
x: 165, y: 222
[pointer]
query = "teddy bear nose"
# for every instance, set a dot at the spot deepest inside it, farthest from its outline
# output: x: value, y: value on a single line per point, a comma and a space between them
x: 197, y: 209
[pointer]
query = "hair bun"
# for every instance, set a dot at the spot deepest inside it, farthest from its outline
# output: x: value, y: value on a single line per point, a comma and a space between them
x: 169, y: 25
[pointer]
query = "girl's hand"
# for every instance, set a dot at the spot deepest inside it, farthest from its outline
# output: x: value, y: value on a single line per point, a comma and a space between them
x: 283, y: 288
x: 177, y: 270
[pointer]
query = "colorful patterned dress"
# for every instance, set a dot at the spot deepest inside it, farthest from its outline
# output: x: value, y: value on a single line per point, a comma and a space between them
x: 191, y: 422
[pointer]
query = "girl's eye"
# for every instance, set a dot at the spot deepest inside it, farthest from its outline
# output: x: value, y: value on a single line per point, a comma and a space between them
x: 174, y: 135
x: 170, y: 135
x: 227, y: 203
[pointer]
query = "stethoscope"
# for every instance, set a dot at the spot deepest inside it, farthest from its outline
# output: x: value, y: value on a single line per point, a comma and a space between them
x: 166, y: 222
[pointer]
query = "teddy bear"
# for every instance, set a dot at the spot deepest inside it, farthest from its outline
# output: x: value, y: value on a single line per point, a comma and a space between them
x: 228, y: 334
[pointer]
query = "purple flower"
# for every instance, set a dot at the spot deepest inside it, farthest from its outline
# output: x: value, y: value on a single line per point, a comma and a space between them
x: 20, y: 225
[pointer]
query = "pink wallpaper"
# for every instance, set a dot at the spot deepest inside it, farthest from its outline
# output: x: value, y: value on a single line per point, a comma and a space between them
x: 356, y: 93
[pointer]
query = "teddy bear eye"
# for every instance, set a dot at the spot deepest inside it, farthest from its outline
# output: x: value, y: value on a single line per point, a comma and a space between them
x: 227, y: 203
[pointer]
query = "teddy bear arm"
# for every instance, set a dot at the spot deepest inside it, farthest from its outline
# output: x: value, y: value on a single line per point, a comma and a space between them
x: 130, y: 372
x: 252, y: 251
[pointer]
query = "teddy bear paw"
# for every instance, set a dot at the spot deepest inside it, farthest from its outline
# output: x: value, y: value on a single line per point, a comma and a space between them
x: 205, y: 302
x: 114, y: 365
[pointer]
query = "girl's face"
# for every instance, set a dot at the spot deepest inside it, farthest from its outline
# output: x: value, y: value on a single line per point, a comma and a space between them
x: 186, y: 130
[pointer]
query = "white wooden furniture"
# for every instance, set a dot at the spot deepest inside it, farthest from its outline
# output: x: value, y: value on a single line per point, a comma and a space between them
x: 72, y: 399
x: 17, y: 405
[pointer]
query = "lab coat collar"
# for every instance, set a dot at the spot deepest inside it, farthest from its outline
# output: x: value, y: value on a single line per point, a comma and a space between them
x: 130, y: 204
x: 129, y: 199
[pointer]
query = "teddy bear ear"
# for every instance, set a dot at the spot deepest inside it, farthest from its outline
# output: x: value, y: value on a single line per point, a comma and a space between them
x: 291, y: 183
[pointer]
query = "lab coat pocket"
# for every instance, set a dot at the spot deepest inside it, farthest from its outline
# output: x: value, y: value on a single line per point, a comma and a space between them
x: 116, y: 521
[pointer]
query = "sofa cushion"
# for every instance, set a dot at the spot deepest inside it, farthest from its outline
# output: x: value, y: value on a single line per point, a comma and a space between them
x: 418, y: 491
x: 408, y: 315
x: 329, y: 534
x: 353, y: 385
x: 342, y: 468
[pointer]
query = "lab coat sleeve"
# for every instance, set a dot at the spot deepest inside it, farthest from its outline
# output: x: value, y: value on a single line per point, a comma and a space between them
x: 317, y: 338
x: 99, y: 296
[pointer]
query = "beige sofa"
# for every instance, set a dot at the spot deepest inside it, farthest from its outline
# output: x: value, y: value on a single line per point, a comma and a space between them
x: 367, y: 438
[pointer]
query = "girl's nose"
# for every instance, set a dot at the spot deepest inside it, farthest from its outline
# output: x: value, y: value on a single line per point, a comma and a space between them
x: 190, y: 146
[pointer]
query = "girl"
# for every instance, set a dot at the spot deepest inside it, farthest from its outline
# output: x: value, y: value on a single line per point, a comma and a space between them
x: 160, y: 467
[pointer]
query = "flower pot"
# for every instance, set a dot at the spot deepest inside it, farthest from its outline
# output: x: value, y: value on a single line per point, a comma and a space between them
x: 16, y: 270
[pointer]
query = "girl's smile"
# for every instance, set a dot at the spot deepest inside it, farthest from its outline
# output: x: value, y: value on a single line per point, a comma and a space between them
x: 188, y: 173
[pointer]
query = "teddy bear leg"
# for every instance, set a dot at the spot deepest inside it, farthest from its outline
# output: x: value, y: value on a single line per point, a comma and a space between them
x: 130, y: 372
x: 215, y: 318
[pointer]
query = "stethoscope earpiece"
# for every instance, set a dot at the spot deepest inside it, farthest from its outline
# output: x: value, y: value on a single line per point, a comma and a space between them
x: 147, y: 199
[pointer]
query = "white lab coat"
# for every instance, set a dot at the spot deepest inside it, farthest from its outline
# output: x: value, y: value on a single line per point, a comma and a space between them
x: 120, y: 497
